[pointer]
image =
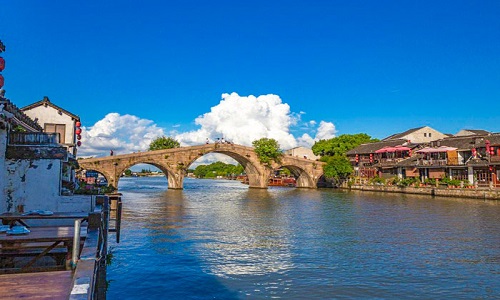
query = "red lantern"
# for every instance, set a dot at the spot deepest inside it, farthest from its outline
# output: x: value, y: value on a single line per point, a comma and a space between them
x: 473, y: 152
x: 79, y: 143
x: 1, y: 81
x: 78, y: 131
x: 2, y: 64
x: 78, y: 137
x: 357, y: 158
x: 78, y: 124
x: 371, y: 157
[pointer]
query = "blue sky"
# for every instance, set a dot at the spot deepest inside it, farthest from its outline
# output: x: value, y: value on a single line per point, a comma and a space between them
x: 377, y: 67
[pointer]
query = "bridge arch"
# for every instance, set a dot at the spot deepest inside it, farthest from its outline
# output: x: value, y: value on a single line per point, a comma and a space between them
x: 174, y: 163
x: 254, y: 170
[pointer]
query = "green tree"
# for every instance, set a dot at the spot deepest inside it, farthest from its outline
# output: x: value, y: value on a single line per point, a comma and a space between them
x: 341, y: 144
x: 268, y: 150
x: 333, y: 152
x: 163, y: 142
x: 217, y: 169
x: 337, y: 167
x: 128, y: 172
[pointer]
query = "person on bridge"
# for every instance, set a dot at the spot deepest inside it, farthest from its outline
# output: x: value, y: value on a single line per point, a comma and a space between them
x: 111, y: 152
x: 207, y: 142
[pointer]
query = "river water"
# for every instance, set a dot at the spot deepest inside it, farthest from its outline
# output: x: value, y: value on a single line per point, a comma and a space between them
x: 219, y: 239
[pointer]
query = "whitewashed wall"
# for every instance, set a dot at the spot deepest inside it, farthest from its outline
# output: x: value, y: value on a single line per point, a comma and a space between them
x: 48, y: 114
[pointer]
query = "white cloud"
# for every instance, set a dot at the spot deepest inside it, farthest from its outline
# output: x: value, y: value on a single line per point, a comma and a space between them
x: 242, y: 120
x: 325, y: 131
x: 122, y: 134
x: 239, y: 119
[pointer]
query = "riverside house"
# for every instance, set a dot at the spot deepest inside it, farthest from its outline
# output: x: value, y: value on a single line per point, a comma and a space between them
x: 471, y: 156
x: 37, y: 171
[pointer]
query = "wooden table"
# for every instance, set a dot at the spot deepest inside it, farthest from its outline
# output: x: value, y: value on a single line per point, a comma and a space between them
x: 46, y: 238
x: 41, y: 285
x: 13, y: 218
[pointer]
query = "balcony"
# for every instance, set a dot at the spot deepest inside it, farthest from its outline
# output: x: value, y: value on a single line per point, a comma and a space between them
x: 38, y: 145
x: 34, y: 139
x: 432, y: 162
x: 495, y: 158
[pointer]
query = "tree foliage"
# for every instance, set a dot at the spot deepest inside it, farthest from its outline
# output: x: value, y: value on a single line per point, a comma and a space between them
x: 341, y: 144
x: 333, y: 152
x: 163, y: 142
x: 336, y: 167
x: 217, y: 169
x: 268, y: 150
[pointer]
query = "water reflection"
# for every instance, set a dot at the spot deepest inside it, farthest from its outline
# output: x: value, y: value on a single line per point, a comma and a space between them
x: 219, y: 239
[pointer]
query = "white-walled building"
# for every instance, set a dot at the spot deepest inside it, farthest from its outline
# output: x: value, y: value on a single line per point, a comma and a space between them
x: 301, y: 152
x: 55, y: 119
x: 36, y: 173
x: 420, y: 135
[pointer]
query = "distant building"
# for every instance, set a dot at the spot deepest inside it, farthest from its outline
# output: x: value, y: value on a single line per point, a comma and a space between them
x: 471, y: 156
x: 467, y: 132
x: 301, y: 152
x: 418, y: 135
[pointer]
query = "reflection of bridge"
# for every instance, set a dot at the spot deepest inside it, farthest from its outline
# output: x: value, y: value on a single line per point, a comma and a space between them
x: 175, y: 162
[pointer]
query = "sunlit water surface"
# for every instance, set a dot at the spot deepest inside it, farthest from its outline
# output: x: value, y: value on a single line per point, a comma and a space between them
x: 219, y: 239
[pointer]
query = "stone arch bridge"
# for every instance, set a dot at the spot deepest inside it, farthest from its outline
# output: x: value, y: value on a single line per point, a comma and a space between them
x: 175, y: 162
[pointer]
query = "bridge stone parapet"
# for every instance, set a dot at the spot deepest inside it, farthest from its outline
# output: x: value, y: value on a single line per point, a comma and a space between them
x: 175, y: 162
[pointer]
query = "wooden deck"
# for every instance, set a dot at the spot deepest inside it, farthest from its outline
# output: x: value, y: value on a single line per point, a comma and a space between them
x: 41, y: 285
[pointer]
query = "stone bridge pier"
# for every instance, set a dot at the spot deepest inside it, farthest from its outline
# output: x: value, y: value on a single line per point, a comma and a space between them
x: 175, y: 162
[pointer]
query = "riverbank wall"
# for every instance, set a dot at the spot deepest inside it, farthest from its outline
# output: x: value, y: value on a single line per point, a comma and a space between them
x: 485, y: 194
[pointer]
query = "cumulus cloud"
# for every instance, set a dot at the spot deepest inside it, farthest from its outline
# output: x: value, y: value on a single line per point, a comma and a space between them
x: 242, y: 120
x: 239, y: 119
x: 122, y: 134
x: 325, y: 131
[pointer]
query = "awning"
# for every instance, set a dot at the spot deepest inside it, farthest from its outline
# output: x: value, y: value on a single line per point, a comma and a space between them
x: 385, y: 149
x: 402, y: 148
x: 436, y: 150
x: 392, y: 149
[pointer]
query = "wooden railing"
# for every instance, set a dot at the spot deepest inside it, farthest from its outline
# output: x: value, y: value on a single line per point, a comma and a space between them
x: 33, y: 138
x: 431, y: 162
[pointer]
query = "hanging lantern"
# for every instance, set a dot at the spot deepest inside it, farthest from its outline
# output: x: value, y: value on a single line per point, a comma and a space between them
x: 371, y: 157
x: 78, y: 137
x: 78, y: 143
x: 357, y: 158
x: 2, y: 64
x: 78, y: 124
x: 1, y: 81
x: 474, y: 152
x: 78, y: 131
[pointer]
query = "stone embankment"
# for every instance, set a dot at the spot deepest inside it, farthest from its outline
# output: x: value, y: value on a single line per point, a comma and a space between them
x: 485, y: 194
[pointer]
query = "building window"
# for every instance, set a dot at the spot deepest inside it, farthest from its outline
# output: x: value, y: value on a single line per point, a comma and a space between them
x: 425, y: 134
x: 429, y: 134
x: 57, y: 128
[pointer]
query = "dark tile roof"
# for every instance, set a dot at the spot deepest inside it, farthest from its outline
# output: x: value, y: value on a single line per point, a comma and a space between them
x: 477, y: 131
x: 45, y: 101
x: 402, y: 134
x: 372, y: 147
x: 19, y: 116
x: 468, y: 142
